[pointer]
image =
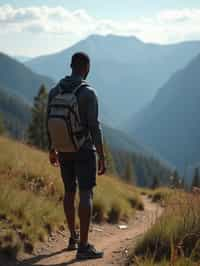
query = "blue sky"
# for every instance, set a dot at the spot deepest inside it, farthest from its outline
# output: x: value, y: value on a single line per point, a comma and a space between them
x: 34, y: 27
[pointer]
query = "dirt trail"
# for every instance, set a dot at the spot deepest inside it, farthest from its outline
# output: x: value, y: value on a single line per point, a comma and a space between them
x: 113, y: 241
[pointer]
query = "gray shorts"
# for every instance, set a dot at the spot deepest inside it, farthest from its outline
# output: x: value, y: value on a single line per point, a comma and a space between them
x: 78, y: 168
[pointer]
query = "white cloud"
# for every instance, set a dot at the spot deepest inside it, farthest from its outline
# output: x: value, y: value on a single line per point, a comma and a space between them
x: 184, y: 15
x: 166, y: 26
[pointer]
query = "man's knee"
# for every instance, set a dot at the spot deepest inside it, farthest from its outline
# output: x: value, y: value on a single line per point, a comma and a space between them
x: 86, y: 198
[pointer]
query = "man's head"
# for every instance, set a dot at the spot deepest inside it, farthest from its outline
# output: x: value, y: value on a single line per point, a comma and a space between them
x: 80, y: 64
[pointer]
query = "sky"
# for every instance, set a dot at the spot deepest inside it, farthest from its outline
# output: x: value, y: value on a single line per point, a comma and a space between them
x: 35, y: 27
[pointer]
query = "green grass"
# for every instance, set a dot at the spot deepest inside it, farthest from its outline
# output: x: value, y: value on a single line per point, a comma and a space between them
x: 175, y: 237
x: 31, y: 198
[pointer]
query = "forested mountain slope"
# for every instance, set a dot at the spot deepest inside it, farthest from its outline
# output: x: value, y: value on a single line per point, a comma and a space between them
x: 171, y: 123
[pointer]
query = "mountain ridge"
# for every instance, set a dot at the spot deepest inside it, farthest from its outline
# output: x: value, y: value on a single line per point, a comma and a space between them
x: 20, y: 80
x: 124, y: 69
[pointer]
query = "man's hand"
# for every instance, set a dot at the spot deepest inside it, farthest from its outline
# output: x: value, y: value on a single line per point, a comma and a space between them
x: 101, y: 166
x: 53, y: 158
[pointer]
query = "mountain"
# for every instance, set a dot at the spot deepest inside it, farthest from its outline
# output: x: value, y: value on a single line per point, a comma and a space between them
x: 171, y: 123
x: 126, y: 72
x: 22, y: 59
x: 16, y: 113
x: 19, y: 80
x: 118, y: 140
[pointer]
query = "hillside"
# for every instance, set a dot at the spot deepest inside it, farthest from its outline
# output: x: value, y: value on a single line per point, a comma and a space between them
x: 16, y: 113
x: 126, y: 72
x: 38, y: 188
x: 19, y: 80
x: 170, y: 124
x: 119, y: 140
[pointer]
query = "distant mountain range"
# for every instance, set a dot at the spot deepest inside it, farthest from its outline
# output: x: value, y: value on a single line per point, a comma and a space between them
x: 171, y: 123
x: 19, y: 80
x: 126, y: 72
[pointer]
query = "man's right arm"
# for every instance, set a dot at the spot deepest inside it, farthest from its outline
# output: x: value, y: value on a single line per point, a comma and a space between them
x: 53, y: 156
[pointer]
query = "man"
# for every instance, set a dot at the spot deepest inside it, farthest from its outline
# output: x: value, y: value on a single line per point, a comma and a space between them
x: 81, y: 165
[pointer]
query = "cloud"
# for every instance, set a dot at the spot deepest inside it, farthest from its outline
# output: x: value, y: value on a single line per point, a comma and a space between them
x: 166, y: 26
x: 184, y: 15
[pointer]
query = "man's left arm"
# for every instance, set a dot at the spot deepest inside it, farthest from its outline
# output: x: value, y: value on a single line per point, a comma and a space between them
x: 95, y: 129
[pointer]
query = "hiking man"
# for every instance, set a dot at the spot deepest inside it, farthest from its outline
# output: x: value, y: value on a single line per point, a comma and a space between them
x: 75, y: 136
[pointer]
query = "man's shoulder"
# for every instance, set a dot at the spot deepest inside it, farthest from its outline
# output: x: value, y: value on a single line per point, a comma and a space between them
x: 88, y: 90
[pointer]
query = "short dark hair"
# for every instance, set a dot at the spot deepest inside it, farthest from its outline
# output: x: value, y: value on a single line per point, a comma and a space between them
x: 79, y: 60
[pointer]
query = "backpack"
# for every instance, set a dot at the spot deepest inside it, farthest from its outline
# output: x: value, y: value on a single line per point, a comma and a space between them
x: 63, y: 121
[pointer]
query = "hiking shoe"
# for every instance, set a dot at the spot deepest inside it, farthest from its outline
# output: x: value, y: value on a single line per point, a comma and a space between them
x: 73, y: 243
x: 88, y: 252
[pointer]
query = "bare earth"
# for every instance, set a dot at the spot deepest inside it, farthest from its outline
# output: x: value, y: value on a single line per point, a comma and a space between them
x: 113, y: 241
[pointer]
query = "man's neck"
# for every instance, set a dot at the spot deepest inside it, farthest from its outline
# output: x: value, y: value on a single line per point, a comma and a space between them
x: 77, y: 76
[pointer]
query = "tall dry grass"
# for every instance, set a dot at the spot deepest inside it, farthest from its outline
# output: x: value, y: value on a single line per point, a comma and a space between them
x: 175, y: 237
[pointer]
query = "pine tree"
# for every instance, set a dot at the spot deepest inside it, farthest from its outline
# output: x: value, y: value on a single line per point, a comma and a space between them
x: 196, y: 178
x: 110, y: 164
x: 175, y: 180
x: 129, y: 173
x: 37, y: 130
x: 2, y: 125
x: 155, y: 183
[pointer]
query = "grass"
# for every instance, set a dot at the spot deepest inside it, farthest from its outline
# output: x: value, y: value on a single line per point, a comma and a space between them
x: 27, y: 217
x: 151, y: 262
x: 175, y: 237
x: 31, y: 198
x: 160, y: 195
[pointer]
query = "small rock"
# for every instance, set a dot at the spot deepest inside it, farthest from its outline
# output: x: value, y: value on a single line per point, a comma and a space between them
x: 123, y: 226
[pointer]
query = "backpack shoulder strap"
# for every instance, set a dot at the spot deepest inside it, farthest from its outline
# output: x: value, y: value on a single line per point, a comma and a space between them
x: 83, y: 83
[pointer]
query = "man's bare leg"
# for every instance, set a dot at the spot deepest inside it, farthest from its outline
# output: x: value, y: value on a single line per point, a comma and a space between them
x: 85, y: 214
x: 86, y: 250
x: 69, y: 208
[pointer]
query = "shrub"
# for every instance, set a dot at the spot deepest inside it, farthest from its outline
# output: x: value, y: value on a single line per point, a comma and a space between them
x: 99, y: 210
x: 114, y: 213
